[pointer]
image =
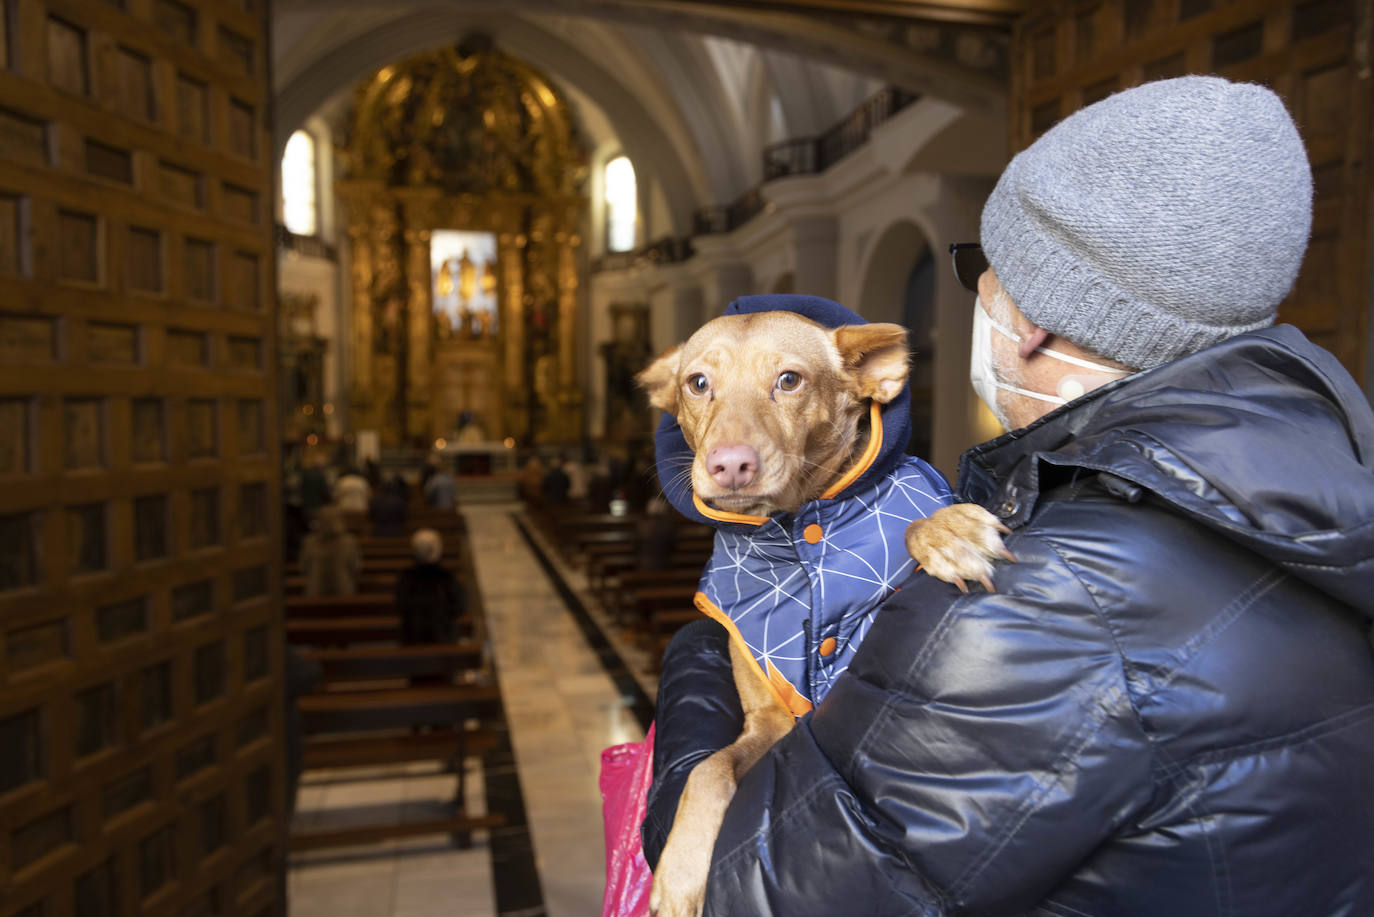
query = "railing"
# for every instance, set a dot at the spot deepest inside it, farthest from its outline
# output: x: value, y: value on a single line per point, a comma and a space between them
x: 711, y: 220
x: 806, y: 156
x: 668, y: 250
x: 309, y: 246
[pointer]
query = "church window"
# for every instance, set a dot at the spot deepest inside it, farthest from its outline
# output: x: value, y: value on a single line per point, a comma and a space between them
x: 621, y: 205
x: 299, y: 208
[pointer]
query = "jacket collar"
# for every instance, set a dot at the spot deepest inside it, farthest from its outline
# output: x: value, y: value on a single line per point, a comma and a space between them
x: 1263, y: 437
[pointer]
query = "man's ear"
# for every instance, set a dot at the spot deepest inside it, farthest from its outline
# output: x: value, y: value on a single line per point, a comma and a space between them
x: 659, y: 380
x: 875, y: 356
x: 1031, y: 339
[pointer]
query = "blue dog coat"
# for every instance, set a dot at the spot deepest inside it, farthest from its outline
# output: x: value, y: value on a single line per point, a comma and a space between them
x: 800, y: 590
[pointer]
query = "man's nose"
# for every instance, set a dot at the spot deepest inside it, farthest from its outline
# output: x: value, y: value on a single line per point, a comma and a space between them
x: 732, y: 466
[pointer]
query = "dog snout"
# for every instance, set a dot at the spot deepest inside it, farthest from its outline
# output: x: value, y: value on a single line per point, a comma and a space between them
x: 732, y: 466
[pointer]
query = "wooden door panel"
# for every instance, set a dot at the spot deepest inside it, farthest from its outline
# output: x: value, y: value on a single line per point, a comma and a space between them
x: 140, y: 636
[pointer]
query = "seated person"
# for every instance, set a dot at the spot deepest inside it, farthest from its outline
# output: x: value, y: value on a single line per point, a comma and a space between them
x: 329, y: 556
x: 441, y: 490
x: 388, y: 510
x: 429, y: 597
x: 553, y: 488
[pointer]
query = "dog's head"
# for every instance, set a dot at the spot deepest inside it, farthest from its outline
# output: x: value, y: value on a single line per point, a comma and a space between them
x: 770, y: 403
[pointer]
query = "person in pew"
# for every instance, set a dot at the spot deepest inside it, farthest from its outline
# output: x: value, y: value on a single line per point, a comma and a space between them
x: 657, y: 536
x: 329, y: 556
x: 388, y: 510
x: 556, y: 483
x: 314, y: 486
x: 352, y: 492
x: 441, y: 490
x: 429, y: 598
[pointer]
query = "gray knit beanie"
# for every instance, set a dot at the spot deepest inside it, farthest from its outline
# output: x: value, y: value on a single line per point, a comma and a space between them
x: 1156, y: 222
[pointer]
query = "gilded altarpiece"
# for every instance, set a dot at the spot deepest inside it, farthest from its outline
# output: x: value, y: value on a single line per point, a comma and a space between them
x: 471, y: 140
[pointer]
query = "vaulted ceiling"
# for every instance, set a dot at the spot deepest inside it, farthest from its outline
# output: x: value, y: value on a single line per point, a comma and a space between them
x: 691, y: 90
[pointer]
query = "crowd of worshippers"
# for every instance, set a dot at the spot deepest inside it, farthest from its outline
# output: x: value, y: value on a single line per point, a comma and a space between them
x: 619, y: 479
x: 320, y: 501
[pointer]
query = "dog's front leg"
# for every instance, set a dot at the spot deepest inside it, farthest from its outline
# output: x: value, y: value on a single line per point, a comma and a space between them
x: 680, y: 880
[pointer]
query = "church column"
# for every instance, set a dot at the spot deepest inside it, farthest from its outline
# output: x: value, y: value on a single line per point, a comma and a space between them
x: 420, y: 356
x: 567, y: 425
x: 725, y: 277
x: 567, y: 310
x: 815, y: 239
x: 360, y: 248
x: 689, y: 311
x: 512, y: 259
x: 802, y: 201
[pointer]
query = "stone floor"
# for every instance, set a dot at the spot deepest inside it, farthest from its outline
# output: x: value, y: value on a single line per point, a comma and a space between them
x: 563, y: 709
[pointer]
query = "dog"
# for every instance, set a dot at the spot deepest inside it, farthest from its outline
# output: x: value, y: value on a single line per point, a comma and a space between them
x: 777, y: 411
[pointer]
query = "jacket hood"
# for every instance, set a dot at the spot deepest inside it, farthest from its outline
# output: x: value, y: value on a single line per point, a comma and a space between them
x: 1264, y: 438
x: 670, y: 447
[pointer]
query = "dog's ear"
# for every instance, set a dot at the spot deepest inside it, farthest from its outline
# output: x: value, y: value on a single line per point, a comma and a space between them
x: 875, y: 356
x: 659, y: 380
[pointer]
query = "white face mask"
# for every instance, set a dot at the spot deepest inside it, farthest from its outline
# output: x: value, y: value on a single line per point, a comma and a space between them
x: 983, y: 370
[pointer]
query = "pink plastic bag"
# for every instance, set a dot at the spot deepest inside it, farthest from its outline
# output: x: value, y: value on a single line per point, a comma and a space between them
x: 626, y: 772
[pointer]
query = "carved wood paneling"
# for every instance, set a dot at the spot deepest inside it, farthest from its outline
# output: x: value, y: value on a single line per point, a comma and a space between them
x: 1314, y: 53
x: 140, y: 645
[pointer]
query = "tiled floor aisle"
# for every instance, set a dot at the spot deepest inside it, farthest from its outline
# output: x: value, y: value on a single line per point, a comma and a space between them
x: 562, y: 711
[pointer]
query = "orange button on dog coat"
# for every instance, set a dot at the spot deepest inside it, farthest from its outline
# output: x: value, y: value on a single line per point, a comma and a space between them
x: 813, y: 534
x: 827, y: 646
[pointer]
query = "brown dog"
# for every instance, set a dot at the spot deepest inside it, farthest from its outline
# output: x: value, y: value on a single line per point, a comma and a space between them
x: 772, y: 406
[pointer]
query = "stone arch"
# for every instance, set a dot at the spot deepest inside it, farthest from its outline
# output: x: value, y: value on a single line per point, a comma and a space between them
x: 886, y: 269
x: 899, y: 287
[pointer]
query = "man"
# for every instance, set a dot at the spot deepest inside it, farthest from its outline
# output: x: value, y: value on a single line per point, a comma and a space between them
x: 1167, y: 706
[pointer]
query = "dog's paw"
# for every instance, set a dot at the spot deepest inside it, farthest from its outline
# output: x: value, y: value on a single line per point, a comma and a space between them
x: 958, y: 543
x: 680, y: 883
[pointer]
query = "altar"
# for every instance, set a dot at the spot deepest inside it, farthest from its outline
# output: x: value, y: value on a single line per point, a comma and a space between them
x: 463, y: 217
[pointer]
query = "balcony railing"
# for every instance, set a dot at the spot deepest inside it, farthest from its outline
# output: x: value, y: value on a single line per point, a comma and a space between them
x: 667, y: 250
x: 806, y: 156
x: 711, y: 220
x: 309, y: 246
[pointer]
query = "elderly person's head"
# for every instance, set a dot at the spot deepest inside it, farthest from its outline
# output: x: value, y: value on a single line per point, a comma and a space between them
x: 1141, y: 229
x: 427, y: 546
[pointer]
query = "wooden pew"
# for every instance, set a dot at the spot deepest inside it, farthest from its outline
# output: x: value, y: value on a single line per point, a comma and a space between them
x: 388, y: 719
x: 368, y: 605
x: 344, y: 631
x: 372, y: 663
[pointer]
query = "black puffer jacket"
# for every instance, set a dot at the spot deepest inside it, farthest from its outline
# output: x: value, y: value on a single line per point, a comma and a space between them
x: 1167, y: 707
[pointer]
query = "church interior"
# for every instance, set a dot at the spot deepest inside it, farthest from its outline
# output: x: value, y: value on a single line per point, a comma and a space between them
x: 282, y: 274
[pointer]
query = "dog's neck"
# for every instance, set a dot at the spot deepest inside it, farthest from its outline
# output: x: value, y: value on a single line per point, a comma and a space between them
x: 827, y: 473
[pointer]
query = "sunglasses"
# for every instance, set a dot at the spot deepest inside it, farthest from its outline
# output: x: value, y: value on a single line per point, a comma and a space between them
x: 969, y: 264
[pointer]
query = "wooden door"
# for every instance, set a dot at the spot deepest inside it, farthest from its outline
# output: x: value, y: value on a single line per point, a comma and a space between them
x: 140, y: 639
x: 1315, y: 54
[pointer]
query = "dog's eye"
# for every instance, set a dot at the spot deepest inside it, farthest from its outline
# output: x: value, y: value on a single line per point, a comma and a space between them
x: 789, y: 381
x: 697, y: 384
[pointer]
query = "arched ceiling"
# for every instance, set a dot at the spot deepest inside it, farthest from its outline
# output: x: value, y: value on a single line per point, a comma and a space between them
x: 671, y: 78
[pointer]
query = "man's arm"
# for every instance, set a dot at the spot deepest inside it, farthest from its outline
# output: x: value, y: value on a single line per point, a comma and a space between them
x: 975, y: 752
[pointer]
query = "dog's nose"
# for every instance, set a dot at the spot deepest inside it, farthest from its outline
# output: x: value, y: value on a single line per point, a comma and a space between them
x: 732, y: 466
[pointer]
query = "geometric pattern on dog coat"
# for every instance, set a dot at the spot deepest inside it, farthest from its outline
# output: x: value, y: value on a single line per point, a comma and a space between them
x: 800, y: 591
